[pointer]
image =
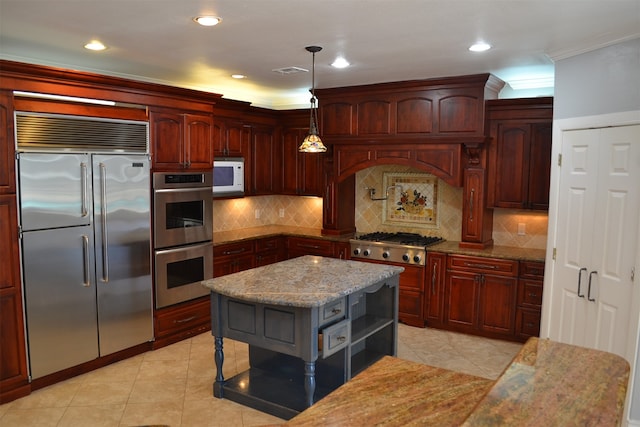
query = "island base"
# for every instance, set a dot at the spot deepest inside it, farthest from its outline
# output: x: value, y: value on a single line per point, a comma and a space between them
x: 275, y: 382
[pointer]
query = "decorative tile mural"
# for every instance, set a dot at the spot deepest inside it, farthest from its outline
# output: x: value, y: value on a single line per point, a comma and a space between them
x: 412, y: 199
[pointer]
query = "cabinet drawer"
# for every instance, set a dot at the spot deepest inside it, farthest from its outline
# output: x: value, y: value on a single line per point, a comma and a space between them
x: 318, y: 247
x: 497, y: 266
x: 233, y: 249
x: 532, y: 269
x: 530, y: 293
x: 528, y: 323
x: 269, y: 244
x: 172, y: 320
x: 334, y: 338
x: 332, y: 311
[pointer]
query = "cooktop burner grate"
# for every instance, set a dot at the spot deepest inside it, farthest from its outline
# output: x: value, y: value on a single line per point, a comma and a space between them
x: 412, y: 239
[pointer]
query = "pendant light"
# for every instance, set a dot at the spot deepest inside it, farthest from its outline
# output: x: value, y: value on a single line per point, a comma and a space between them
x: 312, y: 143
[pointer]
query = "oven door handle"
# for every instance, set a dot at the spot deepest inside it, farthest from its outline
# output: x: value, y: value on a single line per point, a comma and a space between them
x: 182, y: 248
x: 182, y: 190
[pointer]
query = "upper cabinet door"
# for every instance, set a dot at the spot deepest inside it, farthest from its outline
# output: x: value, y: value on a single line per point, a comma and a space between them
x: 7, y: 147
x: 181, y: 141
x: 166, y: 140
x: 198, y: 140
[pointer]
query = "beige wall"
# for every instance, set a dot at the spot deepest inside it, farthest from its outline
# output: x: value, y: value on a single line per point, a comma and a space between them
x: 240, y: 213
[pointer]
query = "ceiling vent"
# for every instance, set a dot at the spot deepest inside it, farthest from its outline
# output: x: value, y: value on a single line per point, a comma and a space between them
x: 290, y: 70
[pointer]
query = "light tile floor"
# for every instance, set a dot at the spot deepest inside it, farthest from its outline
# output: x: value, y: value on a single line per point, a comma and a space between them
x: 173, y: 385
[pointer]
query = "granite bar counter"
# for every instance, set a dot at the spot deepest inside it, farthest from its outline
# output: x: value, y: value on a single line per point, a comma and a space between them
x: 311, y: 324
x: 547, y: 384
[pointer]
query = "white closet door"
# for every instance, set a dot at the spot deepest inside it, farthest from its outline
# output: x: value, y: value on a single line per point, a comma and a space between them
x: 598, y: 208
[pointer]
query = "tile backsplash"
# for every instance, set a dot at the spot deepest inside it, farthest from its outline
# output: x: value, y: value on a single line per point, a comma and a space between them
x: 232, y: 214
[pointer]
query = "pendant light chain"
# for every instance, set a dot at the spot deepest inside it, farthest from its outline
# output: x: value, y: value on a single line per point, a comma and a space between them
x: 312, y: 143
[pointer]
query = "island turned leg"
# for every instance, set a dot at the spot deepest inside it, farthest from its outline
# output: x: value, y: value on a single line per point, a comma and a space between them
x: 219, y: 359
x: 310, y: 380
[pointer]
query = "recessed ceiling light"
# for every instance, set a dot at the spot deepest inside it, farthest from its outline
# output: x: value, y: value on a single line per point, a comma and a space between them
x: 238, y: 76
x: 207, y: 20
x: 479, y: 47
x: 95, y: 45
x: 340, y: 62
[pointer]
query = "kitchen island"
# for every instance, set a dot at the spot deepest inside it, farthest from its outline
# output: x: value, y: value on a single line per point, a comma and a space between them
x: 311, y: 323
x: 546, y: 384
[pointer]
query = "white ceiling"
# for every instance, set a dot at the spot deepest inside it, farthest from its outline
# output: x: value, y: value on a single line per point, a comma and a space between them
x: 385, y: 40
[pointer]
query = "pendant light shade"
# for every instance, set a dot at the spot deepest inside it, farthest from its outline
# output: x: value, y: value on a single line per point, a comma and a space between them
x: 312, y: 142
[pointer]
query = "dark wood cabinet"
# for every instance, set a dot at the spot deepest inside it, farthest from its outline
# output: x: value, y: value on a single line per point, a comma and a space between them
x: 7, y: 146
x: 434, y: 108
x: 269, y: 250
x: 299, y: 246
x: 434, y: 288
x: 301, y: 172
x: 233, y: 257
x: 13, y: 359
x: 480, y: 295
x: 264, y: 164
x: 181, y: 141
x: 477, y: 220
x: 231, y: 138
x: 519, y: 153
x: 181, y: 321
x: 530, y: 285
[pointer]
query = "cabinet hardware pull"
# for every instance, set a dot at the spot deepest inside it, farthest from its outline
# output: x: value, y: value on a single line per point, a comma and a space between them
x: 188, y: 319
x: 433, y: 278
x: 531, y: 294
x: 471, y: 194
x: 237, y: 251
x: 579, y: 279
x: 105, y: 243
x: 341, y: 338
x: 83, y: 189
x: 474, y: 265
x: 309, y: 246
x: 589, y: 289
x: 336, y: 311
x: 85, y: 254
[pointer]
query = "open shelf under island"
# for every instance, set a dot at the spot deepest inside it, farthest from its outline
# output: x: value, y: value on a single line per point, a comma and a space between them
x: 312, y: 323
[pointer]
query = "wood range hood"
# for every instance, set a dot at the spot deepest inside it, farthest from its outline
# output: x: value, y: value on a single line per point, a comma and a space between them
x: 434, y: 125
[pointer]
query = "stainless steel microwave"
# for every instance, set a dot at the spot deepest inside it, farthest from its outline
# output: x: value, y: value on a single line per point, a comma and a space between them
x: 228, y: 177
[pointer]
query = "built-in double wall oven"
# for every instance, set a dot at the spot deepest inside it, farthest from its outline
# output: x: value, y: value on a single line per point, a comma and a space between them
x: 183, y: 233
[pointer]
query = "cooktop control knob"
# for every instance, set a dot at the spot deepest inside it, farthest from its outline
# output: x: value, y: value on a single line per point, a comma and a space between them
x: 366, y: 252
x: 405, y: 257
x: 385, y: 254
x: 416, y: 258
x: 356, y: 251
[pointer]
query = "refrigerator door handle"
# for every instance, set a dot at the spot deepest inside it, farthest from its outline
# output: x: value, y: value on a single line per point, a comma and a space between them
x: 85, y: 253
x: 83, y: 189
x: 103, y: 215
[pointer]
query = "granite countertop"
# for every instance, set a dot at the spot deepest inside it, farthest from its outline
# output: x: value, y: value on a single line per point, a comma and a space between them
x: 450, y: 247
x: 308, y: 281
x: 550, y: 383
x: 396, y: 392
x: 504, y: 252
x: 546, y: 384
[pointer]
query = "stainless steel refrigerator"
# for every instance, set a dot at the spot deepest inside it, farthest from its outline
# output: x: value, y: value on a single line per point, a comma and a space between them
x: 85, y: 235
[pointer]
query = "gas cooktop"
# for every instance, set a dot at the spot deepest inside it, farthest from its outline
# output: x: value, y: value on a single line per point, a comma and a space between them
x: 410, y: 239
x: 403, y: 248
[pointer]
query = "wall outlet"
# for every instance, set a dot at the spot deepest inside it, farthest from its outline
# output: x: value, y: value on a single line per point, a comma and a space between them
x: 521, y: 229
x: 257, y: 213
x: 281, y: 213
